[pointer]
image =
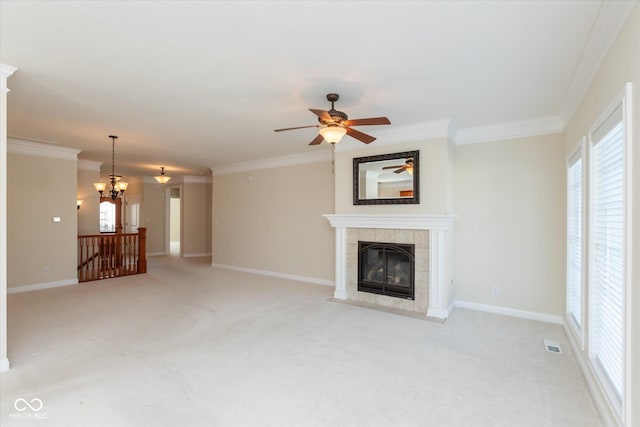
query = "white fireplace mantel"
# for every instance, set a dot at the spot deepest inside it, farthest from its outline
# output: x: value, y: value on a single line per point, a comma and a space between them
x: 438, y: 226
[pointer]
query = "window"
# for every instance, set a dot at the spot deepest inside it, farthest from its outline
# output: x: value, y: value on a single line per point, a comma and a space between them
x: 107, y: 217
x: 607, y: 256
x: 575, y: 243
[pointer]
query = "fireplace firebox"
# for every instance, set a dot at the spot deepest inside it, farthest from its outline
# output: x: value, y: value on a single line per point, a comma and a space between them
x: 386, y: 269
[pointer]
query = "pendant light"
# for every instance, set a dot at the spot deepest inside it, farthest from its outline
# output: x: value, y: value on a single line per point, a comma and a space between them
x: 162, y: 178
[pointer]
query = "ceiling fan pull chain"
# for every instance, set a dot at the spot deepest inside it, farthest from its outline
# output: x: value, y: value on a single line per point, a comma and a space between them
x: 333, y: 159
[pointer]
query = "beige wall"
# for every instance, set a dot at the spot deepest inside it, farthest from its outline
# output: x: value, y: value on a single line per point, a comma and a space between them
x: 435, y: 178
x: 621, y: 65
x: 271, y: 219
x: 196, y: 212
x: 40, y: 188
x: 510, y: 225
x: 89, y: 212
x: 152, y: 215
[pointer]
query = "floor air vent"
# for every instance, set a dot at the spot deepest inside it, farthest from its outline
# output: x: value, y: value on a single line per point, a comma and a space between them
x: 552, y: 347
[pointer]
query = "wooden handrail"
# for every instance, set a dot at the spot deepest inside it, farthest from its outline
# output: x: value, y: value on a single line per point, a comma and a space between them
x: 109, y: 234
x: 106, y: 255
x: 142, y: 251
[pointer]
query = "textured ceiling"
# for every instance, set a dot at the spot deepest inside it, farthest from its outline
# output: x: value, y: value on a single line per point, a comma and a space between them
x: 194, y: 85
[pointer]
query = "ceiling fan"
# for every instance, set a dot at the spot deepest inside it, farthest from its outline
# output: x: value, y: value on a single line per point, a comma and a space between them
x: 408, y: 166
x: 335, y: 124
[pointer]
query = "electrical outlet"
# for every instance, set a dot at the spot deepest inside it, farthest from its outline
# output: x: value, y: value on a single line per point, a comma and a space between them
x: 496, y: 290
x: 46, y: 270
x: 531, y: 295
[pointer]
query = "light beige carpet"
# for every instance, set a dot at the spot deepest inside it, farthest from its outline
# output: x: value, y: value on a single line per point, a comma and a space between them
x: 188, y: 345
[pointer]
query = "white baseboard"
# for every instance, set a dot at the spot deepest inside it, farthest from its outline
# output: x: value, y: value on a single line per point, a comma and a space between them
x: 196, y: 255
x: 438, y: 313
x: 451, y: 306
x: 156, y: 254
x: 4, y: 365
x: 275, y: 274
x: 38, y: 286
x: 531, y: 315
x: 597, y: 394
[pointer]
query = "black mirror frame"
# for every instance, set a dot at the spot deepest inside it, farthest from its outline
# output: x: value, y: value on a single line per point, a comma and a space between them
x: 392, y: 201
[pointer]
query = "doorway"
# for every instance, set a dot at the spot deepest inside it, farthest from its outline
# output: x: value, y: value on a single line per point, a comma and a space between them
x: 174, y: 212
x: 132, y: 213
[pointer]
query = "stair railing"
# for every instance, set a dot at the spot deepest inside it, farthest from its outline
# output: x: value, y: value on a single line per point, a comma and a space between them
x: 108, y: 255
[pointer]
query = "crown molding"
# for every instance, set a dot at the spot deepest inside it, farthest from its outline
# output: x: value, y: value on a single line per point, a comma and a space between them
x: 509, y: 130
x: 17, y: 146
x: 89, y: 165
x: 412, y: 133
x: 195, y: 179
x: 315, y: 156
x: 401, y: 134
x: 610, y: 20
x: 5, y: 72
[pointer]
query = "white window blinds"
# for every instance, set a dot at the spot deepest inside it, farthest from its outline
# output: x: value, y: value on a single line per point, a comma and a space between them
x: 607, y: 256
x: 574, y: 241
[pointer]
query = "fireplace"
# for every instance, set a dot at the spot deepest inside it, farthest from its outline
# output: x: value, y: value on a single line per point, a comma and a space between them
x: 386, y: 269
x: 433, y: 239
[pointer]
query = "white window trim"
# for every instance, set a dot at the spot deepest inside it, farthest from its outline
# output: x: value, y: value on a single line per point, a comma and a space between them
x: 580, y: 152
x: 620, y: 406
x: 627, y: 114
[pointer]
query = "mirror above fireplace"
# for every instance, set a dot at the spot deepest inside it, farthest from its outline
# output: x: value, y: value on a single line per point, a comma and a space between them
x: 387, y: 179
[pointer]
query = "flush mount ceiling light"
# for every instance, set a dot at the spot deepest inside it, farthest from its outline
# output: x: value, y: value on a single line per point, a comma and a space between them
x: 117, y: 188
x: 162, y: 178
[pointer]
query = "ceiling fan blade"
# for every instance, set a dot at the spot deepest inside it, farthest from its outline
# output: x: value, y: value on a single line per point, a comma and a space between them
x: 362, y: 137
x: 393, y: 167
x: 369, y: 121
x: 322, y: 114
x: 317, y: 140
x: 402, y: 169
x: 299, y: 127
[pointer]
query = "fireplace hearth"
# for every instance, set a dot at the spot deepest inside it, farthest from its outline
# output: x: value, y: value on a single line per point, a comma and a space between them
x: 386, y: 269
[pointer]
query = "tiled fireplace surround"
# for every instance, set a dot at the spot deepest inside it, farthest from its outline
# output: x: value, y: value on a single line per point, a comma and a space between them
x: 427, y: 232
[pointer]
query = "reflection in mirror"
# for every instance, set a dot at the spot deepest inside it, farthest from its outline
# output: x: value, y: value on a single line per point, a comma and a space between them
x: 386, y: 179
x: 107, y: 217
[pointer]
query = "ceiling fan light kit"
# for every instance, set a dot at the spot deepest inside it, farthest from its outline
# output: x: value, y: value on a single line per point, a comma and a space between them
x: 335, y: 124
x: 332, y: 133
x: 408, y: 166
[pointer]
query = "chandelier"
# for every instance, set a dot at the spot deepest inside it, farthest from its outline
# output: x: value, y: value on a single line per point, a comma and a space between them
x: 162, y: 178
x: 117, y: 188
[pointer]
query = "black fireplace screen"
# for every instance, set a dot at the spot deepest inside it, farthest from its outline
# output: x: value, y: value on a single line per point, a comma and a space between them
x: 386, y: 269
